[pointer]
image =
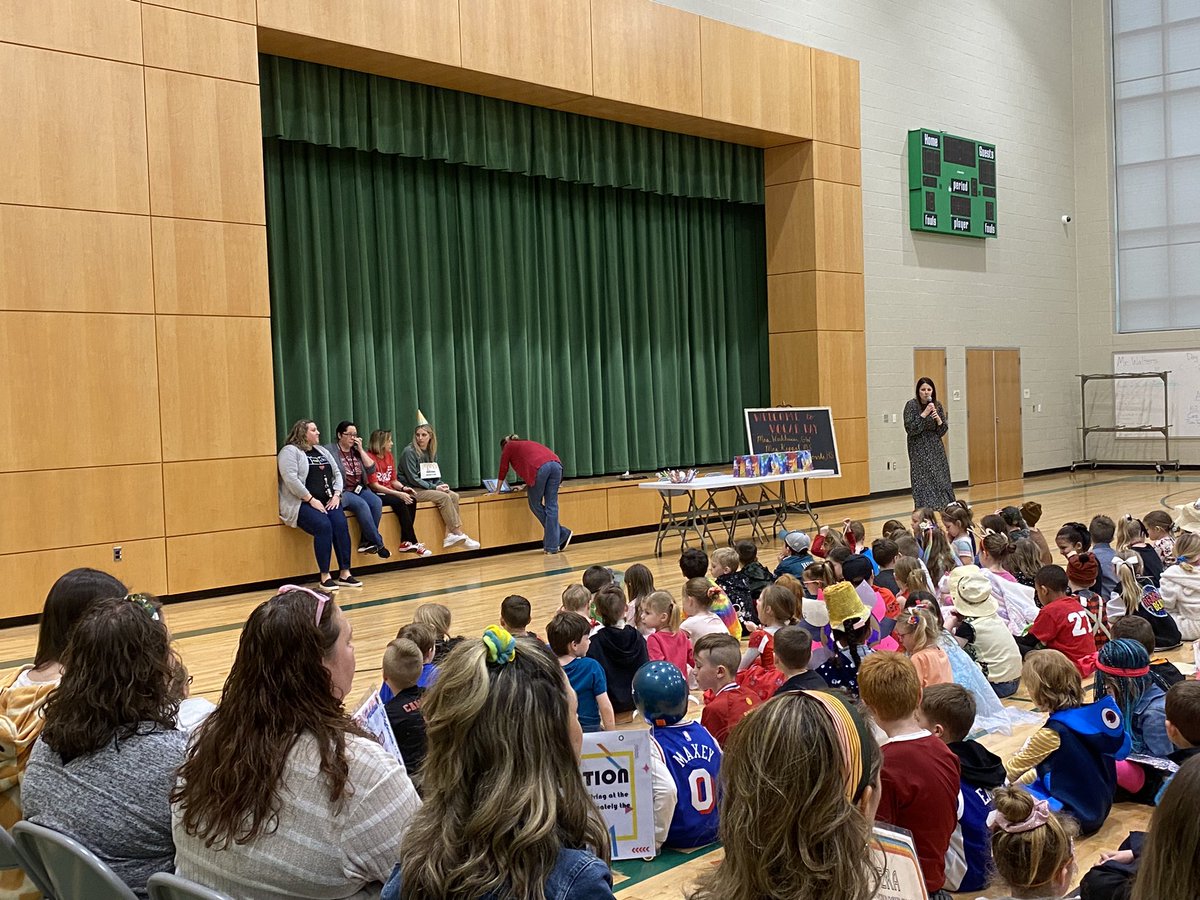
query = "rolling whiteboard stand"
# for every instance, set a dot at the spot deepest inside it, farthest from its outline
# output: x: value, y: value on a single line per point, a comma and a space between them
x: 1148, y: 429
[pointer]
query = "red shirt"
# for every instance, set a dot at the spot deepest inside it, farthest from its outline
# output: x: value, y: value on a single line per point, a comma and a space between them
x: 726, y: 709
x: 526, y: 457
x: 919, y: 787
x: 1064, y: 625
x: 674, y: 648
x: 385, y: 470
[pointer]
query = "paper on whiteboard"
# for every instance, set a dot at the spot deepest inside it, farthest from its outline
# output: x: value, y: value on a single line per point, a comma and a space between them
x: 1140, y: 401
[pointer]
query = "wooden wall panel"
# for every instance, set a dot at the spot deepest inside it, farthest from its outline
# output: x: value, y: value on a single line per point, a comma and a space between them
x: 54, y: 509
x: 197, y: 495
x: 205, y: 148
x: 851, y: 439
x: 100, y: 261
x: 106, y: 28
x: 794, y: 365
x: 835, y: 92
x: 29, y: 576
x: 424, y: 29
x: 806, y: 160
x: 239, y: 10
x: 843, y: 354
x: 202, y: 45
x: 511, y: 522
x: 790, y: 218
x: 646, y: 54
x: 74, y: 131
x: 79, y: 390
x: 839, y: 233
x: 854, y: 482
x: 632, y: 507
x: 815, y: 301
x: 545, y: 42
x: 216, y: 385
x: 752, y: 79
x: 210, y: 268
x: 249, y: 555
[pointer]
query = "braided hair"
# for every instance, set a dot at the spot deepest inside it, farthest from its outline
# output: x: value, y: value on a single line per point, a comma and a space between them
x: 1123, y: 670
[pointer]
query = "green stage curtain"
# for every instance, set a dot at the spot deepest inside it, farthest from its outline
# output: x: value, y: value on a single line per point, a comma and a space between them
x: 339, y: 108
x: 624, y: 328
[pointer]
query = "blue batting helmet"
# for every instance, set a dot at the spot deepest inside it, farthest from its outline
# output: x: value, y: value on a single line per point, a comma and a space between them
x: 660, y: 692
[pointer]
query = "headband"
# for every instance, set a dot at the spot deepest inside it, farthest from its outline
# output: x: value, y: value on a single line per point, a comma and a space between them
x: 1038, y: 816
x: 1136, y: 672
x: 142, y: 602
x: 852, y: 737
x: 501, y: 646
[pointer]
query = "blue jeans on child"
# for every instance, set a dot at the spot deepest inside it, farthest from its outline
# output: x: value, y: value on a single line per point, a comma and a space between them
x: 543, y: 501
x: 329, y: 532
x: 367, y: 509
x: 1005, y: 688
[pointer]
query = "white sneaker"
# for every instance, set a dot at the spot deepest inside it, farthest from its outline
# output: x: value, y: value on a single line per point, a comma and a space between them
x: 470, y: 543
x: 452, y: 539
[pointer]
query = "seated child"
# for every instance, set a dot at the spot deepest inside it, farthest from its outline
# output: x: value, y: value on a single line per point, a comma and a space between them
x: 577, y: 599
x: 1164, y: 672
x: 618, y: 647
x: 515, y: 613
x: 1139, y: 596
x: 662, y: 615
x: 1123, y: 673
x: 857, y: 570
x: 1062, y: 624
x: 437, y: 617
x: 639, y: 584
x: 849, y: 629
x: 757, y: 575
x: 567, y: 634
x: 1159, y: 529
x: 1179, y: 586
x: 1033, y: 849
x: 885, y: 552
x: 699, y: 598
x: 1082, y: 573
x: 919, y: 783
x: 1071, y: 760
x: 794, y: 556
x: 421, y: 635
x: 693, y: 563
x: 918, y: 633
x: 723, y: 569
x: 948, y: 711
x: 757, y: 671
x: 596, y: 578
x: 717, y: 657
x: 402, y: 662
x: 685, y: 760
x: 793, y: 652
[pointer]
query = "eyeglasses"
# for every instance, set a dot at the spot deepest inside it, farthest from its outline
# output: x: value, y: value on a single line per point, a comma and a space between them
x: 322, y: 599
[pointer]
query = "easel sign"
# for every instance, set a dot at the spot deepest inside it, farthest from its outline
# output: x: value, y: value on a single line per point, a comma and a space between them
x: 782, y: 429
x: 616, y: 772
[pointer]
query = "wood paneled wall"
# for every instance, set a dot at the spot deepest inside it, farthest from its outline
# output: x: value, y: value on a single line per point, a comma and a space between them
x: 134, y: 314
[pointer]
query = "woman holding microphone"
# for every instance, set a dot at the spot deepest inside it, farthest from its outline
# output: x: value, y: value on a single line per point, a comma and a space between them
x: 925, y: 423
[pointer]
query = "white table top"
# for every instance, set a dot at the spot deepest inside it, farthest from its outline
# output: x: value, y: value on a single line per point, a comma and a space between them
x: 721, y: 482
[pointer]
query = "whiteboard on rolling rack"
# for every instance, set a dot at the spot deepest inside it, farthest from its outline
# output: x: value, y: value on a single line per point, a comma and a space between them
x: 1140, y: 402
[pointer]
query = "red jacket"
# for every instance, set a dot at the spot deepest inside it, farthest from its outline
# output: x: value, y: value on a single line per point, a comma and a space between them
x: 525, y: 457
x: 726, y: 709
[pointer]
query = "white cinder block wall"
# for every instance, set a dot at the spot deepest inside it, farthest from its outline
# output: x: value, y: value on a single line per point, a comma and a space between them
x: 996, y: 71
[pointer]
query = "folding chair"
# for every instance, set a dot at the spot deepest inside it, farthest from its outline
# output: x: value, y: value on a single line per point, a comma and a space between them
x: 164, y: 886
x: 66, y: 867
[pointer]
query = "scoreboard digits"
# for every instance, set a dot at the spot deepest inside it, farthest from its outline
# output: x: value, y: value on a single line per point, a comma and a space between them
x: 951, y: 184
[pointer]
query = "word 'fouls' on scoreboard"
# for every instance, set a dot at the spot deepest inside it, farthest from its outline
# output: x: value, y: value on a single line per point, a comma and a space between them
x: 951, y: 184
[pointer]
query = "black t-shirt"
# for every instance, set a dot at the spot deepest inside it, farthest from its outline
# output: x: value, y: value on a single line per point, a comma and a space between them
x: 320, y: 475
x: 408, y: 724
x: 805, y: 681
x: 886, y: 578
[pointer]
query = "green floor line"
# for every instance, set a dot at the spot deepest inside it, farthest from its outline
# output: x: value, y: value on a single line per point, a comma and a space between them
x: 638, y: 870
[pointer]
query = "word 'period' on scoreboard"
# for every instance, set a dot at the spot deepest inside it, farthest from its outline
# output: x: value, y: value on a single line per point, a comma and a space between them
x: 951, y: 184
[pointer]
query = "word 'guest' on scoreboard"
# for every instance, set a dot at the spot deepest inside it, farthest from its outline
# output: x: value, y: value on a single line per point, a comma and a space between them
x: 951, y: 184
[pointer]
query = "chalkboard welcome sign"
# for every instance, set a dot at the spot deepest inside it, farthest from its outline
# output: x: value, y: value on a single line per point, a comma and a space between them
x: 784, y: 428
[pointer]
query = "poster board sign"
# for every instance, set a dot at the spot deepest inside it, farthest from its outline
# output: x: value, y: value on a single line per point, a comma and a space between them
x: 372, y: 717
x: 793, y: 428
x: 902, y: 879
x: 616, y: 773
x: 431, y: 472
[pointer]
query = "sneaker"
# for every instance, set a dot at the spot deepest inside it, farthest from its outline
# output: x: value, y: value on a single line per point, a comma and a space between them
x: 471, y: 543
x: 328, y: 586
x: 563, y: 545
x: 368, y: 548
x: 452, y: 539
x: 383, y: 552
x: 348, y: 581
x: 419, y: 549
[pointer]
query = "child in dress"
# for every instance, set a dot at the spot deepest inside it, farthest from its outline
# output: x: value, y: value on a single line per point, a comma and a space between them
x: 567, y: 634
x: 717, y: 657
x: 1132, y: 539
x: 918, y: 630
x: 701, y: 598
x: 849, y: 629
x: 1071, y: 760
x: 757, y: 671
x: 662, y: 615
x: 1160, y: 531
x: 959, y: 526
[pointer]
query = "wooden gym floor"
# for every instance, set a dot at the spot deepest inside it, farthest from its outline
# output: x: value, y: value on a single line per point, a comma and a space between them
x: 206, y: 631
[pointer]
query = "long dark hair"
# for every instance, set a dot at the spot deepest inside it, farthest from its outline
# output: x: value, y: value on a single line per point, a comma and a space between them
x: 278, y: 688
x: 69, y: 598
x: 917, y: 390
x: 1173, y: 839
x: 119, y: 673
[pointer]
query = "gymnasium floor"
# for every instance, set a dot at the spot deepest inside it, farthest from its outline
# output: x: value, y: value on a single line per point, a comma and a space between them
x: 206, y: 631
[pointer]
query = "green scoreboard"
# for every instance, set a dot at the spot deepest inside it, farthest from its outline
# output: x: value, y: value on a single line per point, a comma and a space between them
x: 951, y: 184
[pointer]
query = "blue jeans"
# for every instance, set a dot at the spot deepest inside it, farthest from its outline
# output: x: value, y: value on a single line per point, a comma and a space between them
x: 543, y: 501
x: 1005, y: 688
x: 367, y: 508
x: 329, y: 532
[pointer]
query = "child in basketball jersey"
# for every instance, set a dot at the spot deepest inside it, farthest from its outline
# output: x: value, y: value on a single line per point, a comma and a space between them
x: 686, y: 761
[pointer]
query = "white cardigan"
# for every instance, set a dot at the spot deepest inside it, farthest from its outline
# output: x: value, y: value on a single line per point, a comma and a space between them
x: 293, y: 471
x: 1180, y: 593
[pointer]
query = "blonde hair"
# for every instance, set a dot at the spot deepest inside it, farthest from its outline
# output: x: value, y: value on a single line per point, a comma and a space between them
x: 505, y: 765
x: 662, y: 602
x: 815, y: 848
x: 1127, y: 580
x: 1052, y: 680
x: 379, y: 439
x: 726, y: 558
x: 922, y: 624
x: 910, y: 575
x: 402, y: 663
x: 781, y: 601
x: 1025, y: 559
x: 432, y: 451
x: 1130, y: 531
x: 1187, y: 551
x: 939, y: 558
x: 436, y: 616
x: 298, y: 436
x: 576, y: 598
x: 1030, y: 860
x: 822, y: 571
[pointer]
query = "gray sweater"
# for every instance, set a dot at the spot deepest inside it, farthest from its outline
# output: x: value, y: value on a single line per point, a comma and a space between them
x: 293, y: 470
x: 114, y: 801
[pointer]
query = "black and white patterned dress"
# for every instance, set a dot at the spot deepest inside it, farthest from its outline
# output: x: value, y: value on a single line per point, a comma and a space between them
x: 927, y: 463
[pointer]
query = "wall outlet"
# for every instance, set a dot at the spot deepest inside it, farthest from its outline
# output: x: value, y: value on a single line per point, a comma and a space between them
x: 1025, y: 394
x: 885, y: 419
x: 957, y: 395
x: 895, y: 418
x: 116, y: 554
x: 1037, y: 408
